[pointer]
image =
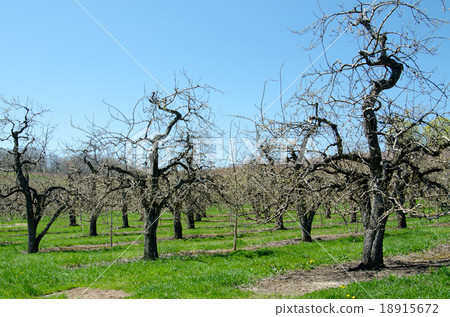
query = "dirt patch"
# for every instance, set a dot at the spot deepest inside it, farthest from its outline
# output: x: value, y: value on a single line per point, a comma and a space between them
x: 92, y: 293
x: 302, y: 282
x: 86, y: 247
x: 92, y: 247
x: 12, y: 225
x: 8, y: 243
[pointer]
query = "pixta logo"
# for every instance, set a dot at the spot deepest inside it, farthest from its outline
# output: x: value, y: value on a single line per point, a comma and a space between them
x: 142, y: 147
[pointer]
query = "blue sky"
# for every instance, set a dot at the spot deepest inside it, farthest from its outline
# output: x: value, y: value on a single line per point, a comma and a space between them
x: 56, y: 55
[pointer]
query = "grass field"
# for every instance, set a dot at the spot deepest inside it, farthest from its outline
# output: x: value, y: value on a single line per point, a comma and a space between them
x: 202, y: 265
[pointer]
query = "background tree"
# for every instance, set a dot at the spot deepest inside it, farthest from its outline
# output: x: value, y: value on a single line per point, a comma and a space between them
x: 24, y: 144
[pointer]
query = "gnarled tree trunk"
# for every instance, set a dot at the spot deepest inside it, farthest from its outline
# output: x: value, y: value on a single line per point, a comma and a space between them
x: 151, y: 225
x: 374, y: 222
x: 374, y: 218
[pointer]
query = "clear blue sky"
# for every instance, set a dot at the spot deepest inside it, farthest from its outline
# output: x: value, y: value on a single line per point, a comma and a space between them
x: 53, y: 53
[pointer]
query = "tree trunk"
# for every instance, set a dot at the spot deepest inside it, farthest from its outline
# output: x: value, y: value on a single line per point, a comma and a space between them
x: 279, y: 223
x: 125, y: 223
x: 374, y: 223
x: 328, y: 212
x: 177, y: 226
x: 93, y: 225
x: 72, y: 218
x: 150, y: 228
x: 373, y: 248
x: 32, y: 223
x: 400, y: 193
x: 190, y: 218
x: 198, y: 216
x: 306, y: 219
x: 401, y: 220
x: 306, y: 230
x: 33, y: 242
x: 353, y: 217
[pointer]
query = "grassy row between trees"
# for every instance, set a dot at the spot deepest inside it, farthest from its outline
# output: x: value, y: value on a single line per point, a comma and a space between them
x: 203, y: 265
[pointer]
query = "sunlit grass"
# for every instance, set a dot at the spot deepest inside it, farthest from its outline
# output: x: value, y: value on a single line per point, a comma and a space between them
x: 177, y: 275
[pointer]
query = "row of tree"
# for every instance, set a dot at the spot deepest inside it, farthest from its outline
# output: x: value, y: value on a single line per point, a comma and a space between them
x: 370, y: 132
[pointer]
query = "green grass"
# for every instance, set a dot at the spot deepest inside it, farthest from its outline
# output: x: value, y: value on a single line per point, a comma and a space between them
x: 199, y: 276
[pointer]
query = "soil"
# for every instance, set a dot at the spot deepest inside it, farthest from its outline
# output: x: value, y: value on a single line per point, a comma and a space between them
x: 91, y: 247
x: 92, y: 293
x: 85, y: 247
x: 298, y: 283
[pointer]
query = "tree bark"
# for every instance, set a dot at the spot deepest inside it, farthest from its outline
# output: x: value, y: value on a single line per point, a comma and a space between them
x: 72, y: 218
x: 401, y: 220
x: 198, y: 216
x: 353, y: 217
x: 32, y: 223
x: 374, y: 220
x: 399, y: 191
x: 177, y: 226
x: 306, y: 219
x: 33, y: 242
x: 125, y: 222
x: 93, y: 225
x: 151, y: 226
x: 328, y: 212
x: 190, y: 218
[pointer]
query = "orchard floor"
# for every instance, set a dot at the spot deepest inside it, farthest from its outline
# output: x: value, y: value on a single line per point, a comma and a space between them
x: 323, y: 277
x: 267, y: 264
x: 301, y: 282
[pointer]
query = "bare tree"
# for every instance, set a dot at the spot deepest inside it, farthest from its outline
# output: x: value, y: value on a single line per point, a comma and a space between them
x: 154, y: 148
x: 20, y: 127
x: 354, y: 103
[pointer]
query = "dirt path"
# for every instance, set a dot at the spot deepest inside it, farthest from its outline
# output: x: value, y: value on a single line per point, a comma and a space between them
x: 91, y: 293
x: 302, y: 282
x: 91, y: 247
